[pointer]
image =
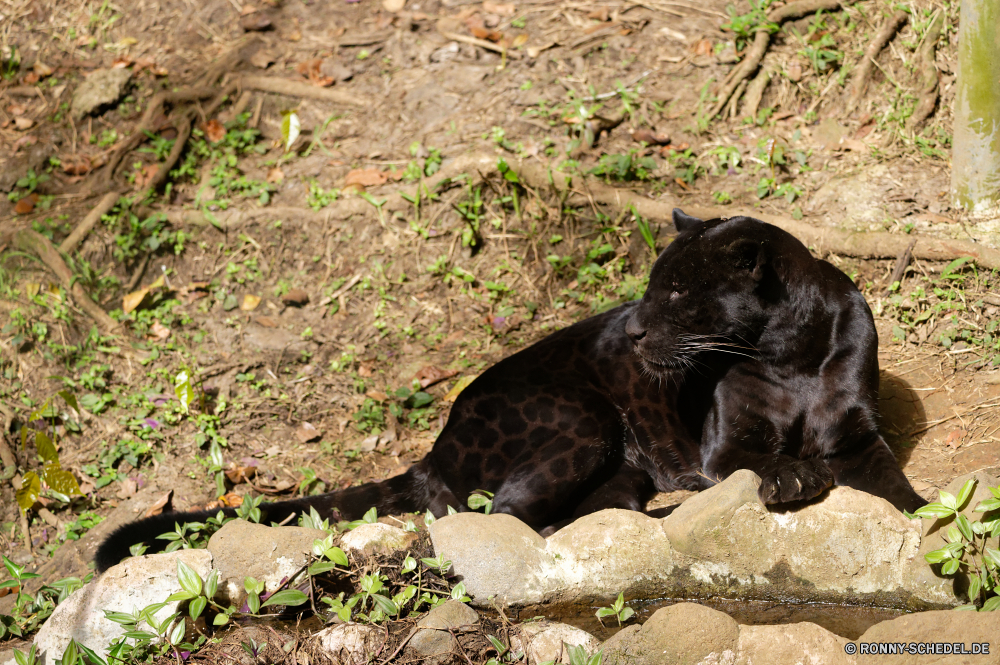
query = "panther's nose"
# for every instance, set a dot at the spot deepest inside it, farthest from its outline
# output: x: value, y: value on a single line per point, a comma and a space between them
x: 635, y: 331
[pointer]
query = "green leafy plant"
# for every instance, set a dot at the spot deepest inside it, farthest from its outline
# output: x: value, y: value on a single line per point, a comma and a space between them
x: 618, y: 610
x: 965, y: 547
x: 625, y: 166
x: 58, y: 480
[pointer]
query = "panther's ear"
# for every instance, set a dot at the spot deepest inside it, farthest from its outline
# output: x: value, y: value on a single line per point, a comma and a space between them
x: 749, y: 255
x: 684, y: 222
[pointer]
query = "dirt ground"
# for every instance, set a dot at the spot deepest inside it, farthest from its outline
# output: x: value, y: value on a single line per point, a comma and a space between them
x: 305, y: 308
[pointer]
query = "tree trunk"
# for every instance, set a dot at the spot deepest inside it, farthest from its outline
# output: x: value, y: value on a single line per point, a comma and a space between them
x: 975, y: 176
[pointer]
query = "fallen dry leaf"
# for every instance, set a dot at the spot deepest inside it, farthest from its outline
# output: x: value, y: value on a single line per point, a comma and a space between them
x: 275, y: 175
x: 134, y: 299
x: 267, y: 322
x: 503, y: 9
x: 429, y: 375
x: 250, y: 302
x: 31, y: 78
x: 600, y: 14
x: 955, y: 437
x: 255, y: 22
x: 364, y: 370
x: 77, y: 165
x: 146, y: 175
x: 794, y: 72
x: 393, y: 6
x: 42, y: 69
x: 702, y: 47
x: 229, y: 500
x: 365, y: 177
x: 377, y: 395
x: 161, y: 505
x: 649, y: 137
x: 159, y: 331
x: 262, y: 58
x: 240, y: 474
x: 26, y: 205
x: 23, y: 123
x: 459, y: 386
x: 307, y: 432
x: 215, y: 131
x: 121, y: 62
x: 295, y: 298
x: 193, y: 291
x: 127, y: 489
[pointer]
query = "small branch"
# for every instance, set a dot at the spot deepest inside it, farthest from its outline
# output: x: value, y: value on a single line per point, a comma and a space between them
x: 928, y: 74
x: 83, y: 228
x: 299, y: 89
x: 34, y: 242
x: 160, y: 177
x: 902, y: 261
x: 864, y: 70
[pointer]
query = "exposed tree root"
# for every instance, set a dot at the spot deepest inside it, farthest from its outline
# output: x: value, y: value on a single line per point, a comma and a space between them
x: 928, y: 74
x: 582, y: 189
x: 867, y: 64
x: 183, y: 133
x: 104, y: 178
x: 755, y: 92
x: 37, y: 244
x: 762, y: 38
x: 84, y: 227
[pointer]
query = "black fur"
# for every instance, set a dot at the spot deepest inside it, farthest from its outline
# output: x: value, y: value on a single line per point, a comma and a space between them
x: 744, y: 353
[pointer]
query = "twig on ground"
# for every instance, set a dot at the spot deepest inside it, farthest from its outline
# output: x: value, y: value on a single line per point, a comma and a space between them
x: 928, y: 74
x: 761, y: 40
x: 84, y: 227
x: 299, y: 89
x: 864, y: 70
x: 37, y: 244
x: 902, y: 261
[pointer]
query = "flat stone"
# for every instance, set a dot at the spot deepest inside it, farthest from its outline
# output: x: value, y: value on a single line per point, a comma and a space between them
x: 544, y: 641
x: 452, y: 614
x: 791, y: 644
x: 377, y: 537
x: 268, y: 554
x: 683, y: 634
x: 349, y: 643
x: 131, y: 585
x: 101, y: 88
x: 937, y: 626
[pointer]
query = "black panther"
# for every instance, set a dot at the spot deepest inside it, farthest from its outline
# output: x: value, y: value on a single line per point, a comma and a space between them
x: 745, y: 352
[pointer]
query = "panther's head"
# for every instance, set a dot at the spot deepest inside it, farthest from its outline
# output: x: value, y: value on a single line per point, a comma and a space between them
x: 712, y: 288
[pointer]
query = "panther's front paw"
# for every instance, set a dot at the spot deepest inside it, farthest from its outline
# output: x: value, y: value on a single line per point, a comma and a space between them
x: 792, y: 479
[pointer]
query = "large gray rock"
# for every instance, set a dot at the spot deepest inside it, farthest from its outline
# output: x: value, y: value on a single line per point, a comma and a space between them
x: 131, y: 585
x: 100, y: 88
x: 544, y: 641
x: 486, y: 549
x: 377, y: 537
x: 791, y: 644
x: 850, y: 542
x: 268, y: 554
x: 433, y: 643
x: 683, y: 634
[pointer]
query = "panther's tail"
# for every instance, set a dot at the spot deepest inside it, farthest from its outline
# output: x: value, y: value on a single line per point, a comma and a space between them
x: 401, y: 494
